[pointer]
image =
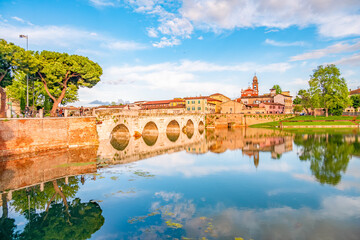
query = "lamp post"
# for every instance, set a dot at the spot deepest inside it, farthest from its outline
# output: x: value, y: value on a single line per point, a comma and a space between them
x: 27, y: 76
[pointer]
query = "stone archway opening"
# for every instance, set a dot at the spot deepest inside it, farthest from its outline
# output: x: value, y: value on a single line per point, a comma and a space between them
x: 173, y: 131
x: 120, y: 137
x: 189, y: 129
x: 150, y: 133
x: 201, y: 127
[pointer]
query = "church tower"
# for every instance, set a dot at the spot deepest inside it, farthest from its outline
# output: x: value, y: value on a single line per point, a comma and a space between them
x: 255, y: 85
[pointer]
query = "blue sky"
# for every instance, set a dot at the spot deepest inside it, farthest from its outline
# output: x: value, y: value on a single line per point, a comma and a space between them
x: 159, y: 49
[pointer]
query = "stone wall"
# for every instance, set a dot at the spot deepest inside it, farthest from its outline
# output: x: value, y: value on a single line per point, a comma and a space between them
x: 241, y: 120
x: 28, y: 169
x: 19, y: 136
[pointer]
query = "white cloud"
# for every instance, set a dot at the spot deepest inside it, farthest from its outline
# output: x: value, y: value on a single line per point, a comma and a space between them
x: 123, y: 45
x: 104, y: 3
x: 18, y: 19
x: 176, y: 27
x: 340, y: 47
x: 166, y: 77
x: 353, y: 60
x: 152, y: 32
x: 167, y: 42
x: 201, y: 38
x: 284, y: 44
x: 51, y: 37
x: 333, y: 18
x: 271, y: 30
x: 22, y: 20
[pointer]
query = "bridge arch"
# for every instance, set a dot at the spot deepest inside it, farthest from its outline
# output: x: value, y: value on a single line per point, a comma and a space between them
x: 120, y: 137
x: 150, y: 133
x: 173, y: 131
x: 201, y: 127
x: 189, y: 128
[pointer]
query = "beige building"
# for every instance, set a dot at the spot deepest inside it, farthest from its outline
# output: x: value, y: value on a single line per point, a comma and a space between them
x: 201, y: 104
x: 220, y: 97
x: 232, y: 107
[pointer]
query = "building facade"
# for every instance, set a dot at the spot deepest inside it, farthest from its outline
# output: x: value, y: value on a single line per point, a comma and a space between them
x: 232, y: 107
x: 201, y: 104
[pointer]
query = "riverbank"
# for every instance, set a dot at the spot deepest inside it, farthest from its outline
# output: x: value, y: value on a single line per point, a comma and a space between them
x: 313, y: 122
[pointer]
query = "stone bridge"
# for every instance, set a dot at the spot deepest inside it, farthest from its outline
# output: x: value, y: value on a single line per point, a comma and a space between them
x: 136, y: 135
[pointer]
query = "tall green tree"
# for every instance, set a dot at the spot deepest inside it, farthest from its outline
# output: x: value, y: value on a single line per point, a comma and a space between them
x: 9, y: 62
x: 327, y: 89
x: 277, y: 88
x: 62, y: 75
x: 306, y: 101
x: 355, y: 101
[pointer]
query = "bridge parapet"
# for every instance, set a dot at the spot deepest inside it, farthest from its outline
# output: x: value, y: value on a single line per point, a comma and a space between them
x: 136, y: 121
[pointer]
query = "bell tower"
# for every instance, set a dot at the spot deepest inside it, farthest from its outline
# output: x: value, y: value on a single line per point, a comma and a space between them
x: 255, y: 85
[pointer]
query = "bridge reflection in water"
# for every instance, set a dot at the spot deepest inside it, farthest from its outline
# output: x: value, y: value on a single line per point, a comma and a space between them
x: 22, y: 171
x: 152, y: 143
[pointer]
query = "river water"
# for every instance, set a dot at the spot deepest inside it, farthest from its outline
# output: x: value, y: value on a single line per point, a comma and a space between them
x: 220, y: 184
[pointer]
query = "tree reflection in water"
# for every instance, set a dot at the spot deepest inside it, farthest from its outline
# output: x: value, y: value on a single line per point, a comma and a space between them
x: 58, y: 218
x: 329, y: 155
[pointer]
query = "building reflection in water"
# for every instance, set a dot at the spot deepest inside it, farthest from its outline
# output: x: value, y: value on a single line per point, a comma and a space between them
x: 152, y: 143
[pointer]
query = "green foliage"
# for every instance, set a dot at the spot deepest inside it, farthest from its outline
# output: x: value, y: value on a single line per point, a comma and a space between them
x: 77, y: 221
x: 328, y: 90
x: 297, y: 100
x: 306, y: 100
x: 39, y: 199
x: 298, y: 108
x: 277, y: 88
x: 62, y: 75
x: 328, y: 154
x: 355, y: 101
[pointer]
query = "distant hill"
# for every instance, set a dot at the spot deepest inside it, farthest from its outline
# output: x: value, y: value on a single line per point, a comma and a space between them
x: 98, y: 102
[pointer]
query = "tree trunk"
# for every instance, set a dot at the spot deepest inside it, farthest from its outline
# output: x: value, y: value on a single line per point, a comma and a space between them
x: 53, y: 109
x: 58, y: 191
x: 4, y: 205
x: 326, y: 112
x: 2, y: 103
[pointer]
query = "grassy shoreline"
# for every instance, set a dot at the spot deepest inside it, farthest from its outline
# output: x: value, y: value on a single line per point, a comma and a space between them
x: 316, y: 122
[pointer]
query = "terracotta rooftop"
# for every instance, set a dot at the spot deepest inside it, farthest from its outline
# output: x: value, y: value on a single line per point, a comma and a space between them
x: 163, y: 107
x: 203, y: 97
x: 354, y: 92
x: 260, y: 96
x: 217, y: 94
x: 157, y: 102
x: 274, y: 104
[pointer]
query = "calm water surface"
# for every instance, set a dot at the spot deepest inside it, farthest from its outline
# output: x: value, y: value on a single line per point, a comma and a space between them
x: 244, y: 183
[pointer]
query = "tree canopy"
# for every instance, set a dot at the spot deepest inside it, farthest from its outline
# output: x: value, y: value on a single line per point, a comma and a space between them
x: 328, y: 90
x: 355, y: 101
x: 54, y: 75
x: 277, y: 88
x: 62, y: 75
x: 10, y: 56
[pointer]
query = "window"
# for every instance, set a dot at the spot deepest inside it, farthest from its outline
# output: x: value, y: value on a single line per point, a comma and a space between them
x: 188, y: 109
x: 199, y: 108
x: 230, y: 109
x: 192, y: 102
x: 188, y: 102
x: 193, y: 108
x: 199, y: 101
